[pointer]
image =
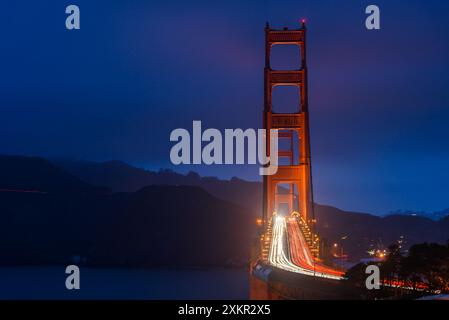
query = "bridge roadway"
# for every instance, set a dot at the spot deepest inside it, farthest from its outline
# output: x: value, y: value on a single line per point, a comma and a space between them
x: 289, y: 251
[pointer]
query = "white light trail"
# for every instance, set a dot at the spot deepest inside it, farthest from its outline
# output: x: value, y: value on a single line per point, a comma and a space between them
x: 278, y: 256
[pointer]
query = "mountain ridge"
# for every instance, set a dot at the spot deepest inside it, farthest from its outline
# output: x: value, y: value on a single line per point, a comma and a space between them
x: 107, y: 215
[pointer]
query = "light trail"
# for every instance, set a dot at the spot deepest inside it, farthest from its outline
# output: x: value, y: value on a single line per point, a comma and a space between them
x: 301, y: 254
x: 277, y: 254
x: 279, y: 257
x: 21, y: 191
x: 289, y: 251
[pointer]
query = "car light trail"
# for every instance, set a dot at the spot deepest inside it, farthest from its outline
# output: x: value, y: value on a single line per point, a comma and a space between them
x: 300, y: 253
x: 279, y: 258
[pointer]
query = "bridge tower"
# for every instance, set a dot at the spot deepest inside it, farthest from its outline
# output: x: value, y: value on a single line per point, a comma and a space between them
x: 291, y: 186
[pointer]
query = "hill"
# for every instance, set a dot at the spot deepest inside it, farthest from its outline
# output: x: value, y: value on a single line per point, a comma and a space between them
x: 365, y: 231
x: 163, y: 218
x: 362, y: 231
x: 158, y: 225
x: 20, y: 173
x: 122, y: 177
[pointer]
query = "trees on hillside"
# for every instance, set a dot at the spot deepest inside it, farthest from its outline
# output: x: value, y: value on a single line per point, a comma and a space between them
x: 424, y: 269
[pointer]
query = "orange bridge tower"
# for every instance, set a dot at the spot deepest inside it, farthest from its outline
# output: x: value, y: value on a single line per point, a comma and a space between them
x: 290, y: 189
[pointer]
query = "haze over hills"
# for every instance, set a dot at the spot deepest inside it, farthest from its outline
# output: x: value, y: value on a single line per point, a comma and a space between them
x: 122, y: 177
x: 435, y: 215
x: 37, y: 174
x: 144, y: 218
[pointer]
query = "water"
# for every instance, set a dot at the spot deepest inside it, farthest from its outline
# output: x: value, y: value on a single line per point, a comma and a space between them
x: 49, y: 283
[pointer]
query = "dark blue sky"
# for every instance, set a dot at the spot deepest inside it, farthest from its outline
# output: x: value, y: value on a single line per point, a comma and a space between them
x: 379, y: 100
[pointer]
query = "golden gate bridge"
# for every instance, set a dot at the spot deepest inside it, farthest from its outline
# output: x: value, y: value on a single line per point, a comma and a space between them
x: 289, y: 240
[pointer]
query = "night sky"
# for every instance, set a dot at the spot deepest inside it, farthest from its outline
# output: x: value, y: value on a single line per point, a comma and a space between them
x: 379, y: 100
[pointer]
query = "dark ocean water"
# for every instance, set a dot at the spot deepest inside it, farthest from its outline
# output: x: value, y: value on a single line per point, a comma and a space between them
x: 49, y: 283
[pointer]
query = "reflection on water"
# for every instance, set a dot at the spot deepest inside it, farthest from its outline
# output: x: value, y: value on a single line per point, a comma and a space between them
x: 49, y: 283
